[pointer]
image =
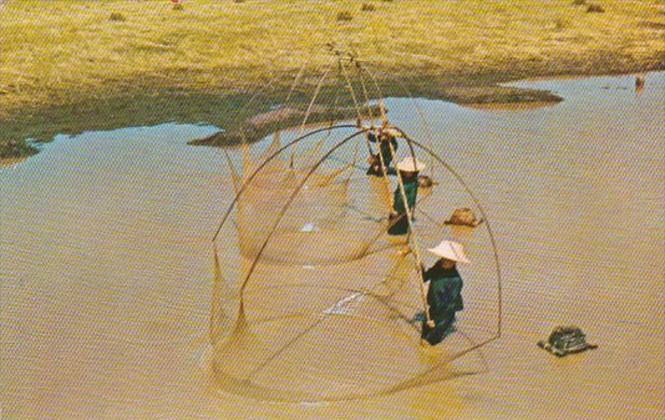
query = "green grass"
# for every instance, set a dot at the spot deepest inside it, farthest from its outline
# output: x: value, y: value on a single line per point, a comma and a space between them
x: 66, y: 66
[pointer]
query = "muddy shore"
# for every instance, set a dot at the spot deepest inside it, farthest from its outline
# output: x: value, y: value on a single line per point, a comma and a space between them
x: 154, y: 105
x: 121, y: 64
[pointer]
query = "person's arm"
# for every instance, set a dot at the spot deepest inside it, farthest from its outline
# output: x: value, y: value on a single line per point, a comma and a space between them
x: 398, y: 204
x: 411, y: 194
x: 371, y: 136
x: 427, y: 274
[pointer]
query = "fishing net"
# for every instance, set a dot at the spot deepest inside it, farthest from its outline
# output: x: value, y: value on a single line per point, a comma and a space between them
x: 320, y: 210
x: 312, y: 299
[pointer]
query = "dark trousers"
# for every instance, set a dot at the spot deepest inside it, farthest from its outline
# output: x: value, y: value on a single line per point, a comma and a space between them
x: 441, y: 329
x: 399, y: 224
x: 377, y: 171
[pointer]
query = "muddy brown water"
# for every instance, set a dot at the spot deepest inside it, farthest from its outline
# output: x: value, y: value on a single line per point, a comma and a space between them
x: 105, y: 265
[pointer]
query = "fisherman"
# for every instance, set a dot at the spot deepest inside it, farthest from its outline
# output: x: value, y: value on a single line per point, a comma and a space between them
x: 444, y: 296
x: 639, y: 83
x: 386, y: 137
x: 408, y: 169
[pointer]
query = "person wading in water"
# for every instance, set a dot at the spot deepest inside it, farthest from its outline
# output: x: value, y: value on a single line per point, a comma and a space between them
x: 385, y: 137
x: 444, y: 296
x: 398, y: 221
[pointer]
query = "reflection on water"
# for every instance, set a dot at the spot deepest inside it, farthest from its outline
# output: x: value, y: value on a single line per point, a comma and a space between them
x: 105, y: 264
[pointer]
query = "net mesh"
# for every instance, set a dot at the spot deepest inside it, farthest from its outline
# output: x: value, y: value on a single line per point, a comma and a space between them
x: 313, y: 299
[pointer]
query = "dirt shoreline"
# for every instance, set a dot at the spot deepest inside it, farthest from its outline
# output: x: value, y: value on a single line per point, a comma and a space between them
x: 153, y: 105
x: 76, y: 65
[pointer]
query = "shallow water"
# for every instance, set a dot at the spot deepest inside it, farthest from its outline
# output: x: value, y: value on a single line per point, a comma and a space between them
x: 105, y: 264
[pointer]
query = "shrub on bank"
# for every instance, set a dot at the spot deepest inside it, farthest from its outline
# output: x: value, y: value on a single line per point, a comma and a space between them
x: 595, y: 8
x: 117, y: 17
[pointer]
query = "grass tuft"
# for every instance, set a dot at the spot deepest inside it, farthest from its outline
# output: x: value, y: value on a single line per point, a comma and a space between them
x: 560, y: 24
x: 344, y: 16
x: 595, y: 8
x: 117, y: 17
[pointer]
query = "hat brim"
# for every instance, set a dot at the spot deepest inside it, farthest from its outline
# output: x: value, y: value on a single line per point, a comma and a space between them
x: 457, y: 258
x: 409, y: 168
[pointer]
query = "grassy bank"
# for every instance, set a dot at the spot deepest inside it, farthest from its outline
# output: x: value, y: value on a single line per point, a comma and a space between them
x: 73, y: 65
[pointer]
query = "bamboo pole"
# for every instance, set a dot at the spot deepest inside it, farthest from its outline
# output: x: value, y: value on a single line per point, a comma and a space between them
x: 414, y: 237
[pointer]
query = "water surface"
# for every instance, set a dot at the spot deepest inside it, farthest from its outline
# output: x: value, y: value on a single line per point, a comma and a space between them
x: 105, y: 264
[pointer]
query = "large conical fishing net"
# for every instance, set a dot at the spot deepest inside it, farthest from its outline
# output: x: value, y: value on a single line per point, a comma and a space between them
x: 313, y: 300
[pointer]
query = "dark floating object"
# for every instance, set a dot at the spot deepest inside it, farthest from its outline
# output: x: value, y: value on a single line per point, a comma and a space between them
x: 566, y: 340
x: 463, y: 217
x: 425, y: 182
x: 639, y: 81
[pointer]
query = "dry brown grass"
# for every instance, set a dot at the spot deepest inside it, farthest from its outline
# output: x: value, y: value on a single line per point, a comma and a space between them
x: 64, y: 52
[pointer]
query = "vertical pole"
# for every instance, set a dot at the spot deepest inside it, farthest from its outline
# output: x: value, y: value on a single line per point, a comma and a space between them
x: 414, y: 237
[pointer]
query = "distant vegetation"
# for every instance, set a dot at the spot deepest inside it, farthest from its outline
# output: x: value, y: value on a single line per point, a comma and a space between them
x: 344, y: 16
x: 72, y: 65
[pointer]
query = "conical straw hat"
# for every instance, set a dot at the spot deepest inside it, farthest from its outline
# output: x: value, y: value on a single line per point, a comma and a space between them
x: 450, y: 250
x: 409, y: 164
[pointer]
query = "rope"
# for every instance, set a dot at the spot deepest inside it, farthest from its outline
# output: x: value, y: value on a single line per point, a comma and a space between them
x: 362, y: 83
x: 355, y: 101
x: 295, y: 82
x: 421, y: 115
x: 250, y: 101
x: 382, y: 106
x: 384, y: 170
x: 317, y: 90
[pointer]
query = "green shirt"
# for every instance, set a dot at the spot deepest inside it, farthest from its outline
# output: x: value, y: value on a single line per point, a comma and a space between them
x: 444, y: 296
x: 411, y: 192
x: 384, y: 147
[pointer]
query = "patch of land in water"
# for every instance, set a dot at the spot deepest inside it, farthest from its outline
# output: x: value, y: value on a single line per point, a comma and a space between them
x: 67, y: 66
x: 11, y: 161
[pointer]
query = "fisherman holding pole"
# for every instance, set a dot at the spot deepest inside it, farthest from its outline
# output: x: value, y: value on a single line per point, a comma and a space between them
x: 444, y: 296
x: 386, y: 137
x: 398, y: 220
